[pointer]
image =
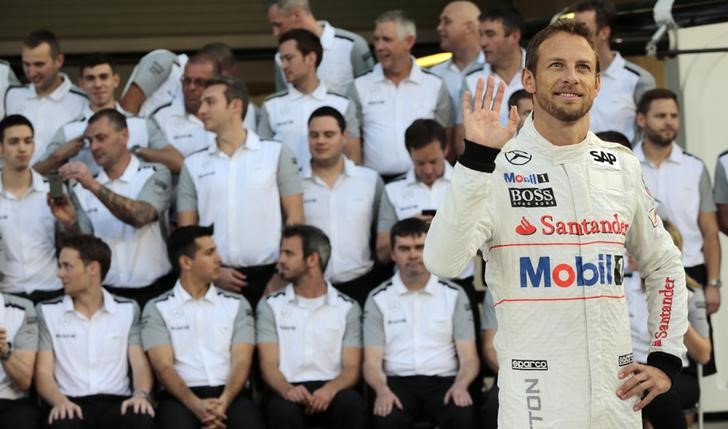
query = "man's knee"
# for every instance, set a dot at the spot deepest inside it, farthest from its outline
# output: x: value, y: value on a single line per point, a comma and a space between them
x: 67, y: 423
x: 350, y: 402
x: 283, y: 413
x: 136, y: 420
x: 397, y: 419
x: 454, y: 417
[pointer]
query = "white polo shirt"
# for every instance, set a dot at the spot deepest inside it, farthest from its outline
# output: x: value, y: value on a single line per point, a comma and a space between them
x: 345, y: 212
x: 682, y: 190
x: 201, y: 331
x: 143, y: 132
x: 91, y: 355
x: 284, y: 116
x: 345, y: 56
x: 17, y: 316
x: 47, y: 114
x: 241, y: 195
x: 310, y: 333
x: 7, y: 78
x: 721, y: 179
x: 386, y: 111
x: 138, y: 255
x: 418, y: 330
x: 453, y: 77
x: 622, y: 86
x: 471, y: 80
x: 28, y: 240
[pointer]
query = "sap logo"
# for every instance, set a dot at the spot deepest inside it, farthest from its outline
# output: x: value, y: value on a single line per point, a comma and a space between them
x: 604, y: 158
x: 533, y: 179
x: 607, y: 270
x: 532, y: 197
x: 529, y: 365
x: 625, y: 360
x: 518, y: 157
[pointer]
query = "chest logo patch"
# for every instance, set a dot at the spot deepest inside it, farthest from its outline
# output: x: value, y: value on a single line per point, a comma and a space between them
x: 518, y: 157
x: 605, y: 158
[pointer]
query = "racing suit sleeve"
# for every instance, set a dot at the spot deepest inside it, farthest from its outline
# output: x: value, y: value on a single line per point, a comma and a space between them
x: 661, y: 267
x: 463, y: 222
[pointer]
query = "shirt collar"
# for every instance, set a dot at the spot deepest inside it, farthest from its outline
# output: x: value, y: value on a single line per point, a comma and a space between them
x: 616, y: 65
x: 126, y: 177
x: 414, y: 76
x: 252, y: 142
x: 676, y: 154
x: 349, y: 169
x: 319, y: 93
x: 331, y: 294
x: 401, y: 289
x: 183, y: 296
x: 327, y: 36
x: 58, y: 93
x: 109, y: 305
x: 37, y: 183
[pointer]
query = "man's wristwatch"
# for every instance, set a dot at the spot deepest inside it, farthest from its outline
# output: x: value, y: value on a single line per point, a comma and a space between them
x: 5, y: 354
x: 715, y: 282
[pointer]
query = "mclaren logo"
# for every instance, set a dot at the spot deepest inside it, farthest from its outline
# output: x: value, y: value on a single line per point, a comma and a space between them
x: 518, y: 157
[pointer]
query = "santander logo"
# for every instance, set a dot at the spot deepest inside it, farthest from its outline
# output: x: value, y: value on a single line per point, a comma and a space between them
x: 525, y: 227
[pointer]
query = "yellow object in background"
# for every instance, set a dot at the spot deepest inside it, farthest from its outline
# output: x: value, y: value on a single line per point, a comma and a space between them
x: 433, y: 59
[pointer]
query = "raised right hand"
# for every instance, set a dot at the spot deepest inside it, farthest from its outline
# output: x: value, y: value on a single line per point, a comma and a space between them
x: 482, y: 122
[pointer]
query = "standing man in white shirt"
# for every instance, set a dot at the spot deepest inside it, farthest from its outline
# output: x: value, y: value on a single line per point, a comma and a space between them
x: 346, y: 54
x: 284, y: 115
x: 200, y: 341
x: 27, y: 226
x: 89, y: 342
x: 419, y: 342
x: 247, y: 187
x: 125, y: 205
x: 623, y: 82
x: 342, y: 199
x: 395, y: 93
x: 309, y: 339
x: 50, y: 99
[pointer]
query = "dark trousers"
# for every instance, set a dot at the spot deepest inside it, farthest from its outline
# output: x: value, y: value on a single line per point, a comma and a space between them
x: 102, y: 412
x: 489, y: 408
x: 422, y: 399
x: 19, y: 413
x: 359, y: 288
x: 142, y: 295
x: 40, y: 295
x: 172, y: 414
x: 346, y: 411
x: 665, y: 411
x: 257, y: 278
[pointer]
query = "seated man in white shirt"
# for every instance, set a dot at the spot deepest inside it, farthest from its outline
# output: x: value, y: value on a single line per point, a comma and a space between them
x: 18, y: 346
x: 89, y: 340
x: 309, y: 339
x: 200, y: 341
x: 419, y: 342
x: 27, y: 226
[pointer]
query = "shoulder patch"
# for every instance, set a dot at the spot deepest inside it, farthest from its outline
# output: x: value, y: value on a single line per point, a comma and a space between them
x: 227, y: 294
x: 277, y: 294
x: 52, y: 301
x: 14, y: 305
x: 363, y: 74
x: 381, y: 288
x: 145, y: 166
x: 345, y: 298
x: 448, y: 284
x: 163, y: 297
x: 278, y: 94
x: 632, y: 70
x: 337, y: 94
x: 475, y: 70
x: 122, y: 300
x: 78, y: 92
x: 342, y: 36
x: 154, y: 112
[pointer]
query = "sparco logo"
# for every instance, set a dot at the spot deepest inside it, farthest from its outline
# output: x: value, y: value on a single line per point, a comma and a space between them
x: 532, y: 197
x: 518, y: 157
x: 625, y: 360
x: 529, y: 365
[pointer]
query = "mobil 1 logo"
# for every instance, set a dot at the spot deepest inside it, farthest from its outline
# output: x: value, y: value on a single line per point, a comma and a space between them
x: 532, y: 197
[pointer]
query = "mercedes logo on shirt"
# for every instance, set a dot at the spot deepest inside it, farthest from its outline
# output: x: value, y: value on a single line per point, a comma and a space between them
x: 518, y: 157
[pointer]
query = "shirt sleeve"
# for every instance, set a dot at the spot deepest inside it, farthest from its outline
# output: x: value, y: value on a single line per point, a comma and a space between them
x: 264, y: 129
x: 84, y: 223
x: 387, y: 216
x: 27, y: 336
x: 153, y: 69
x: 12, y: 79
x: 462, y: 318
x: 352, y: 335
x: 352, y: 120
x: 697, y: 316
x: 645, y: 83
x: 361, y: 57
x: 353, y: 95
x: 458, y: 107
x: 373, y: 324
x: 721, y: 181
x: 289, y: 182
x: 157, y: 190
x: 265, y: 327
x: 250, y: 122
x: 707, y: 203
x: 378, y: 192
x: 488, y: 321
x: 444, y: 108
x: 135, y: 331
x: 154, y: 330
x: 157, y: 139
x: 45, y: 343
x: 244, y: 325
x: 186, y: 191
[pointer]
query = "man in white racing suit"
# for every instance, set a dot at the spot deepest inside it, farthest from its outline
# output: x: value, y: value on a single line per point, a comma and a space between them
x: 552, y: 210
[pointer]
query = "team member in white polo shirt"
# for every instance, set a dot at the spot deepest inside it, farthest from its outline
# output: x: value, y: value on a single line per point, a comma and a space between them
x: 27, y: 226
x: 459, y: 33
x: 283, y: 115
x: 342, y: 199
x: 18, y: 346
x: 419, y: 342
x: 721, y: 190
x: 622, y: 82
x: 99, y: 80
x: 309, y: 339
x: 50, y: 99
x: 124, y: 205
x: 89, y: 340
x: 346, y: 54
x: 395, y: 93
x: 501, y: 32
x: 200, y: 341
x: 247, y: 187
x: 7, y: 78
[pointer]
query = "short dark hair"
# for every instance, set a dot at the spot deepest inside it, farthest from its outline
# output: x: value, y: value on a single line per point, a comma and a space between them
x: 313, y: 240
x: 36, y: 37
x: 182, y: 242
x: 93, y: 60
x: 221, y: 53
x: 517, y: 96
x: 508, y: 16
x: 306, y: 42
x: 643, y: 106
x: 116, y: 118
x: 568, y: 26
x: 615, y: 137
x: 329, y: 111
x: 13, y: 121
x: 90, y: 249
x: 422, y: 132
x: 604, y: 12
x: 409, y: 227
x: 235, y: 89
